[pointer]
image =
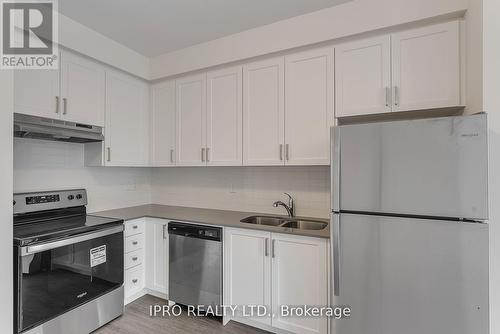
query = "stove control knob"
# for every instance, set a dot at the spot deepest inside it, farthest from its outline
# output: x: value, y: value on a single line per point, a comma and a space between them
x: 70, y: 197
x: 79, y: 196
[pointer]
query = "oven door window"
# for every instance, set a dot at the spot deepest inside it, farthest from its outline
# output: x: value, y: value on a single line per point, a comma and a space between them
x: 54, y: 281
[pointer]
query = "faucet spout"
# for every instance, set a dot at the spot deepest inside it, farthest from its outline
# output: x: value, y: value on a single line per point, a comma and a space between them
x: 288, y: 207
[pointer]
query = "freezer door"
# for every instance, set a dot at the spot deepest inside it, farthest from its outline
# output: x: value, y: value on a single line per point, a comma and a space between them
x: 410, y: 276
x: 432, y: 167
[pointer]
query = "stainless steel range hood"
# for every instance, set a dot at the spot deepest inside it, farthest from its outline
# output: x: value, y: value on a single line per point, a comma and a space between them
x: 26, y: 126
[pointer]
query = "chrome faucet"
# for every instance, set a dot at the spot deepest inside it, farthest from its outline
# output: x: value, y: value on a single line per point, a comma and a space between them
x: 290, y: 208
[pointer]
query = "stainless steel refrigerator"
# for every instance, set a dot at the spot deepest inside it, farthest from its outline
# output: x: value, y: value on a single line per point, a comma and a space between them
x: 408, y: 232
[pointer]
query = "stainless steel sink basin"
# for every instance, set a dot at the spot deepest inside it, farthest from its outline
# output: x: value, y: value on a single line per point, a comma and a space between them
x: 300, y: 224
x: 264, y: 220
x: 305, y: 224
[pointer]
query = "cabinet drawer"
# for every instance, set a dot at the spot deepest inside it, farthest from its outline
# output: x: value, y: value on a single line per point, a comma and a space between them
x: 134, y: 280
x: 134, y: 243
x: 134, y: 227
x: 133, y: 259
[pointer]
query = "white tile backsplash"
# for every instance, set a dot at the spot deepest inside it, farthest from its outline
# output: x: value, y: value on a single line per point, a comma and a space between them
x: 244, y: 188
x: 43, y: 165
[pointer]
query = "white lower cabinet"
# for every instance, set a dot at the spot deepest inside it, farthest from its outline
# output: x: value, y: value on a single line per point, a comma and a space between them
x: 134, y: 259
x: 272, y: 269
x: 145, y: 258
x: 157, y: 257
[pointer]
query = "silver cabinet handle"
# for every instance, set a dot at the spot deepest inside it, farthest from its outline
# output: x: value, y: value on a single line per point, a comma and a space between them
x: 287, y: 152
x: 396, y: 96
x: 335, y: 237
x: 164, y: 231
x: 57, y: 104
x: 109, y: 154
x: 65, y: 106
x: 134, y: 243
x: 202, y: 154
x: 266, y: 247
x: 207, y: 156
x: 134, y: 280
x: 134, y: 258
x: 172, y: 155
x: 272, y: 247
x: 387, y: 96
x: 281, y: 152
x: 135, y: 227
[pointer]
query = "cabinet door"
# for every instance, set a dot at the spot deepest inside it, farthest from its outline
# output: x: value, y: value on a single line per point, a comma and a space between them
x: 299, y: 272
x: 127, y: 121
x: 36, y: 92
x: 83, y: 85
x: 263, y: 112
x: 163, y: 124
x: 157, y: 256
x: 190, y: 114
x: 247, y: 270
x: 308, y: 107
x: 426, y: 67
x: 363, y: 77
x: 224, y: 117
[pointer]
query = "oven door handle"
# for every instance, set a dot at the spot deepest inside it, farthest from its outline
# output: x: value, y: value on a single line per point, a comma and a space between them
x: 27, y: 250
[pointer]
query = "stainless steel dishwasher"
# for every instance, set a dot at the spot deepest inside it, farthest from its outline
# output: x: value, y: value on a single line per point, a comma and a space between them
x: 195, y: 264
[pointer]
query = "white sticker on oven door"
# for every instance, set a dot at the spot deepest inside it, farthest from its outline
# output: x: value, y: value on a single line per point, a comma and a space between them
x: 97, y: 256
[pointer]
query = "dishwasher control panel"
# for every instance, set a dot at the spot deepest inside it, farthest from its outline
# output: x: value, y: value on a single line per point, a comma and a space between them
x: 195, y: 231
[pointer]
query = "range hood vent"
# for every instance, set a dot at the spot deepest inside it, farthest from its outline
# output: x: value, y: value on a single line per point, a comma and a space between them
x: 34, y: 127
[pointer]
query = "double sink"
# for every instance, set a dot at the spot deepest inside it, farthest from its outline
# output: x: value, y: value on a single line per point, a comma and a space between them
x: 286, y: 222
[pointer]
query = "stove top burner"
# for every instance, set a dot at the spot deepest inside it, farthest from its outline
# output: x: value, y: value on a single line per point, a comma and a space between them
x: 56, y: 218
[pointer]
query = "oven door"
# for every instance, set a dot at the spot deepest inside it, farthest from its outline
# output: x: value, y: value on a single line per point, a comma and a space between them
x: 55, y: 277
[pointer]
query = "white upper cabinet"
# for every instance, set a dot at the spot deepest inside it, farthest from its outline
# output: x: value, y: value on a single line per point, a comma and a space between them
x: 190, y: 114
x: 308, y: 107
x: 263, y: 112
x: 82, y: 90
x: 127, y: 121
x: 426, y: 67
x: 36, y: 93
x: 363, y: 77
x: 163, y: 124
x: 224, y: 117
x: 75, y: 92
x: 412, y: 70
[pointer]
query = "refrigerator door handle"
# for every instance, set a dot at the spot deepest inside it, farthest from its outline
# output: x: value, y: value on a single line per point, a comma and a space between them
x: 335, y: 169
x: 335, y: 238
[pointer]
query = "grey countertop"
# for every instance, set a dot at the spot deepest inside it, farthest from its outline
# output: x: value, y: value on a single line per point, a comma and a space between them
x: 206, y: 216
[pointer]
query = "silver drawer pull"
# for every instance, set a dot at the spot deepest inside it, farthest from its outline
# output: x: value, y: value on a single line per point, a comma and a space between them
x: 134, y: 242
x: 135, y: 227
x: 134, y: 281
x: 134, y: 258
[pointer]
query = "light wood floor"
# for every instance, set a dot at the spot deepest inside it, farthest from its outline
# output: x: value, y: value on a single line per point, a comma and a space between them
x: 136, y: 320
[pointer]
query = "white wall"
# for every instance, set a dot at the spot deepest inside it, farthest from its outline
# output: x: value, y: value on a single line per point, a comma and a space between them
x: 355, y: 17
x: 6, y: 284
x: 492, y: 106
x: 45, y: 165
x: 252, y: 189
x: 474, y: 57
x: 82, y: 39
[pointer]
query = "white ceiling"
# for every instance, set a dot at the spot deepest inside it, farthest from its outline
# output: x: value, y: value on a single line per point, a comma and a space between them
x: 154, y: 27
